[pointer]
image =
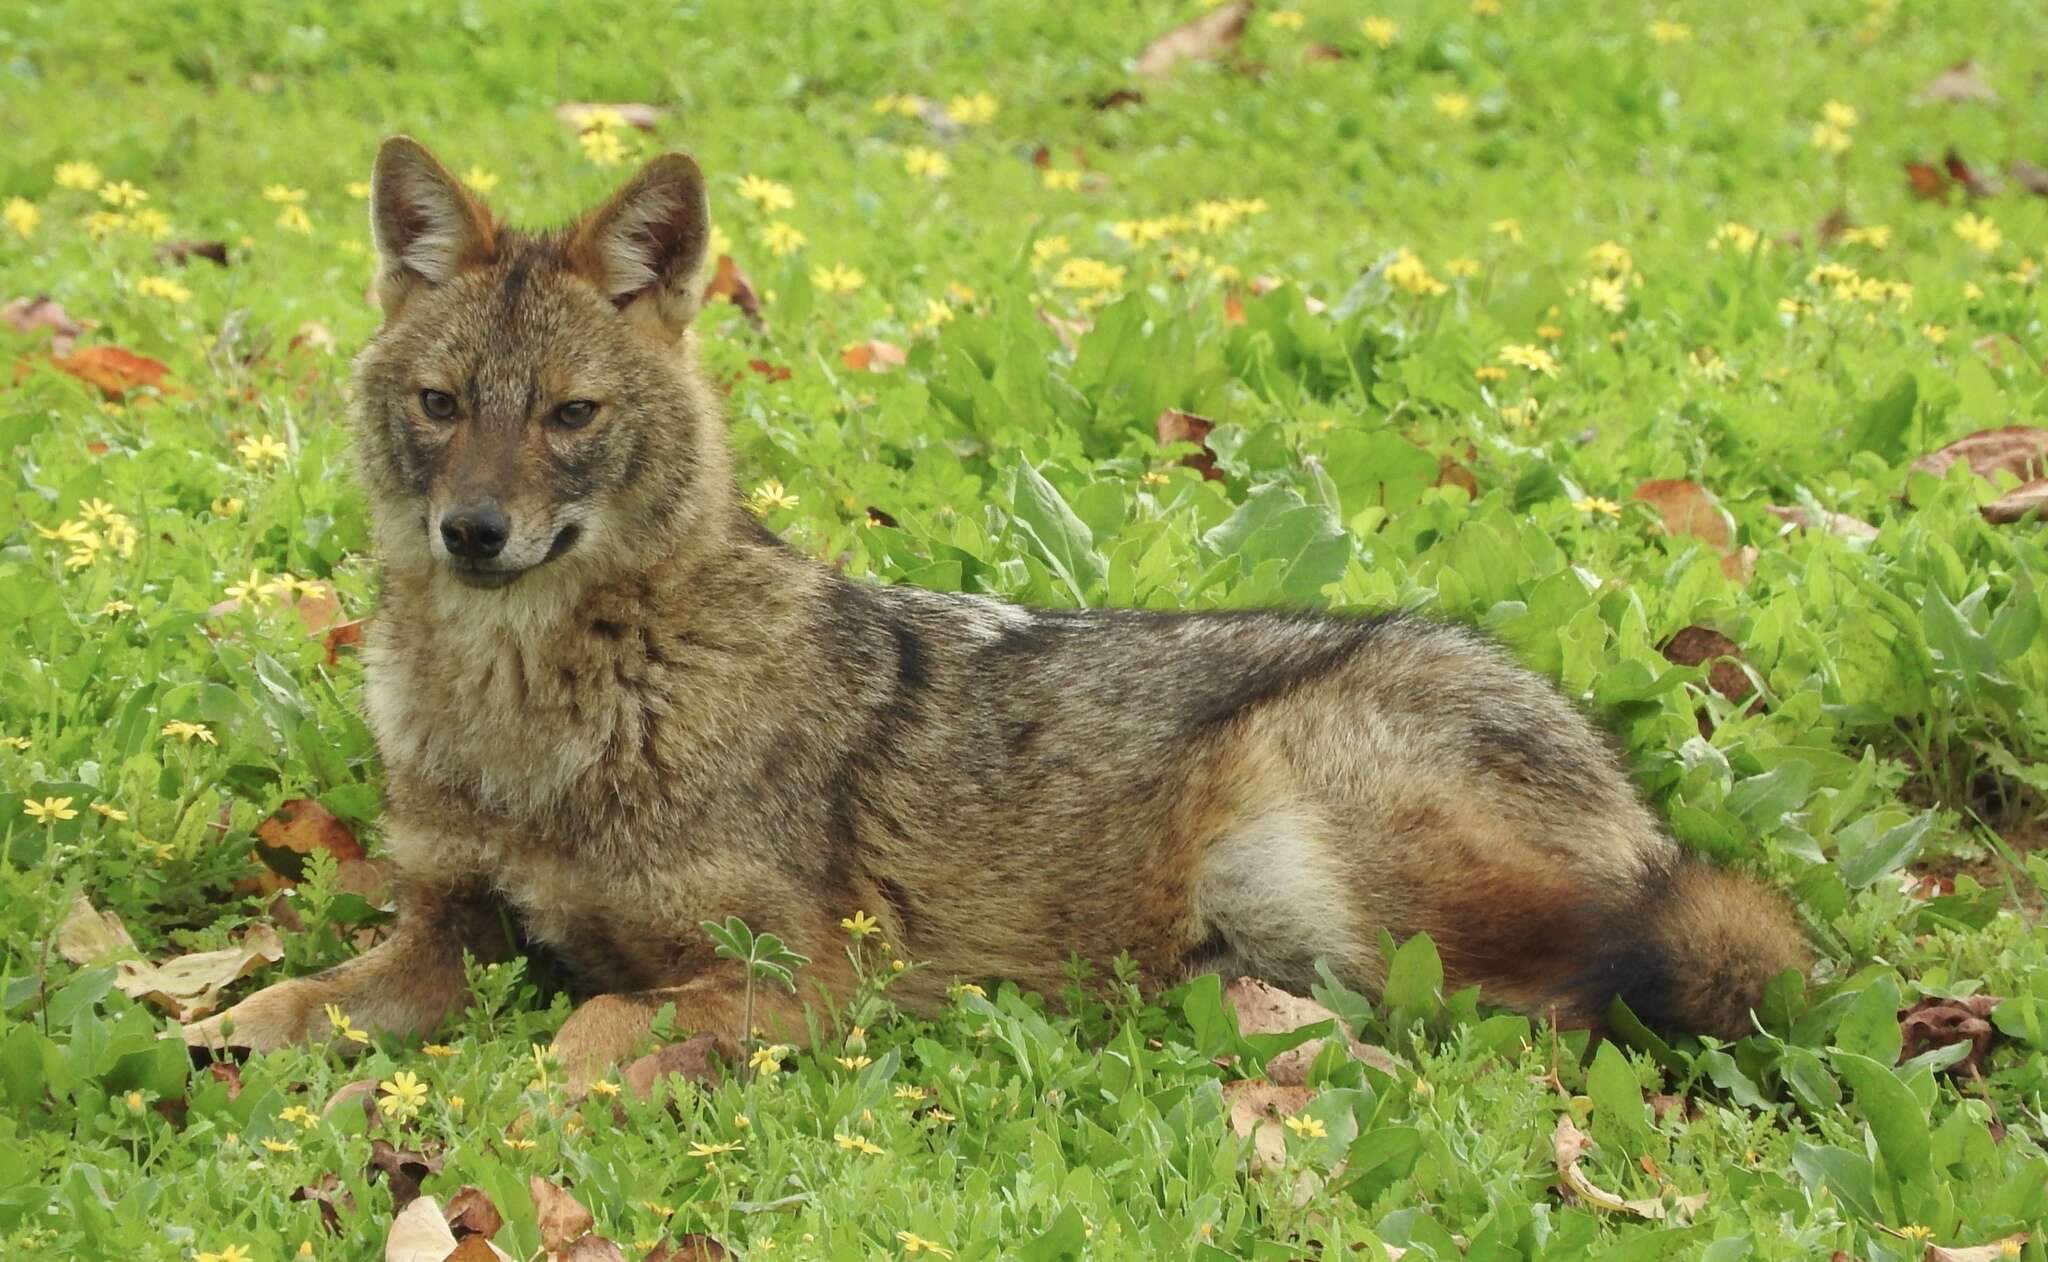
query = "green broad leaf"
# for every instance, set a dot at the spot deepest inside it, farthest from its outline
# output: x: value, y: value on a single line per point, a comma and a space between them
x: 1619, y: 1112
x: 1882, y: 423
x: 1887, y: 1106
x: 1864, y: 863
x: 1415, y: 979
x: 1058, y: 536
x: 1064, y: 1241
x: 1871, y: 1026
x: 1848, y: 1175
x: 1299, y: 546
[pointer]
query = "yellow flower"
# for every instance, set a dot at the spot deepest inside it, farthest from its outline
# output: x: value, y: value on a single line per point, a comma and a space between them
x: 1462, y: 266
x: 859, y: 925
x: 1520, y: 415
x: 283, y: 194
x: 1829, y: 138
x: 603, y: 148
x: 853, y: 1062
x: 1612, y: 257
x: 969, y: 988
x: 403, y: 1093
x: 293, y: 218
x: 970, y: 110
x: 1286, y: 19
x: 1665, y: 32
x: 260, y: 449
x: 251, y: 589
x: 300, y: 1115
x: 769, y: 496
x: 79, y: 175
x: 521, y: 1144
x: 1843, y: 116
x: 1876, y: 236
x: 781, y: 238
x: 439, y: 1051
x: 703, y: 1150
x: 1381, y: 32
x: 1407, y: 272
x: 154, y: 224
x: 1452, y: 105
x: 1935, y: 333
x: 345, y: 1027
x: 479, y: 179
x: 918, y: 1244
x: 101, y: 224
x: 1056, y: 178
x: 1607, y: 293
x: 48, y: 811
x: 21, y: 215
x: 1047, y: 248
x: 1549, y: 332
x: 925, y: 163
x: 233, y: 1253
x: 1744, y: 238
x: 1085, y: 273
x: 225, y: 506
x: 358, y: 189
x: 17, y: 743
x: 280, y: 1145
x: 768, y: 1058
x: 189, y: 732
x: 1485, y: 8
x: 122, y: 194
x: 769, y: 195
x: 1595, y: 506
x: 162, y: 287
x: 837, y: 279
x: 97, y: 510
x: 1533, y: 358
x: 114, y: 813
x: 1306, y: 1127
x: 902, y: 103
x: 1980, y: 231
x: 1509, y: 228
x: 856, y: 1143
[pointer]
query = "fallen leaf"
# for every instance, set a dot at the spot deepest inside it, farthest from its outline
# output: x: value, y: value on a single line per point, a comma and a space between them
x: 1255, y: 1112
x: 694, y: 1247
x: 362, y: 1093
x: 562, y: 1216
x: 1963, y: 81
x: 874, y: 356
x: 1935, y: 1022
x: 2021, y: 450
x: 1690, y: 509
x: 730, y: 283
x: 419, y: 1234
x: 2032, y: 178
x: 88, y: 936
x: 1233, y: 309
x: 226, y: 1071
x: 477, y: 1249
x: 318, y: 612
x: 1204, y: 39
x: 1451, y: 472
x: 1175, y: 426
x: 112, y: 370
x: 1840, y: 524
x: 773, y: 372
x: 180, y: 253
x: 696, y: 1060
x: 1974, y: 182
x: 26, y: 315
x: 1266, y: 1009
x: 1069, y: 332
x: 1926, y: 181
x: 403, y: 1168
x: 332, y: 1197
x: 1739, y: 566
x: 187, y: 986
x: 343, y: 635
x: 470, y: 1213
x: 1695, y: 646
x: 1996, y: 1251
x: 1117, y: 97
x: 589, y: 1248
x: 1319, y: 51
x: 1684, y: 1109
x: 1568, y: 1143
x: 582, y: 115
x: 300, y: 827
x: 2017, y: 503
x: 1926, y: 885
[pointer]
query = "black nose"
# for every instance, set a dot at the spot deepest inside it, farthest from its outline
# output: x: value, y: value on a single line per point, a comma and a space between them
x: 477, y: 531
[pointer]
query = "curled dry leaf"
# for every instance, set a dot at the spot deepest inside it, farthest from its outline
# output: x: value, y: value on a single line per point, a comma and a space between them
x: 179, y: 253
x: 300, y: 827
x: 1690, y: 509
x: 1694, y: 646
x: 1839, y: 524
x: 695, y: 1059
x: 582, y: 115
x: 112, y: 370
x: 875, y: 356
x: 2017, y: 503
x: 1568, y: 1143
x: 332, y: 1197
x: 1977, y: 183
x: 343, y: 635
x: 420, y: 1234
x: 1927, y: 181
x: 2032, y: 178
x: 1996, y: 1251
x: 1204, y: 39
x: 562, y: 1217
x: 26, y: 315
x: 1935, y: 1022
x: 1963, y: 81
x: 694, y: 1247
x: 403, y: 1168
x: 362, y: 1093
x: 1265, y: 1009
x: 1255, y: 1112
x: 730, y: 283
x: 1175, y: 426
x: 188, y: 986
x: 2021, y: 450
x: 477, y: 1249
x: 588, y: 1248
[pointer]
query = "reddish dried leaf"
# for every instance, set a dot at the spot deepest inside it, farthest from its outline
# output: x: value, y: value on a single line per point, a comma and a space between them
x: 1319, y: 51
x: 1449, y: 472
x: 1695, y: 646
x: 300, y: 827
x: 1255, y: 1112
x: 730, y: 283
x: 1926, y: 181
x: 96, y: 448
x: 876, y: 356
x: 333, y: 1199
x: 1996, y: 1251
x: 343, y: 635
x: 1935, y: 1022
x: 1840, y: 524
x: 773, y: 372
x: 582, y: 115
x: 1266, y: 1009
x: 1739, y: 566
x: 1975, y: 183
x: 696, y: 1060
x: 1117, y: 97
x: 1175, y: 426
x: 182, y: 252
x: 1689, y: 509
x: 592, y: 1249
x: 404, y: 1168
x: 474, y: 1249
x: 1204, y: 39
x: 112, y: 370
x: 2017, y: 503
x: 2021, y: 450
x: 1926, y: 885
x: 1963, y: 81
x: 470, y: 1213
x: 228, y: 1072
x: 562, y: 1216
x: 1831, y: 228
x: 319, y: 611
x: 1233, y: 309
x: 26, y: 315
x: 694, y: 1247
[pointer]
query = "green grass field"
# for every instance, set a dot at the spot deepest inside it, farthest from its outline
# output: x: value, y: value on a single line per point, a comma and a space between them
x: 1554, y: 316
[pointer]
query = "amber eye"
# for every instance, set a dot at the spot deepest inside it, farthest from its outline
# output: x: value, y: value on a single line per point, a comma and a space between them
x: 574, y: 414
x: 438, y: 404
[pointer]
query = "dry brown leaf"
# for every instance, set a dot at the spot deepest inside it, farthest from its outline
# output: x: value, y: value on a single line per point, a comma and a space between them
x: 419, y: 1234
x: 562, y: 1216
x: 2017, y: 503
x: 589, y: 1248
x: 1255, y: 1112
x: 343, y: 635
x: 876, y: 356
x: 1926, y: 181
x: 1963, y: 81
x: 330, y: 1195
x: 1175, y: 426
x: 2021, y: 450
x: 182, y: 252
x: 300, y: 827
x: 1319, y: 51
x: 695, y: 1059
x: 2032, y: 178
x: 1204, y: 39
x: 1266, y: 1009
x: 26, y: 315
x: 582, y: 115
x: 314, y: 335
x: 730, y: 283
x: 1690, y: 509
x: 320, y: 611
x: 1739, y: 566
x: 1840, y: 524
x: 1933, y: 1023
x: 1996, y: 1251
x: 403, y: 1168
x: 112, y: 370
x: 477, y: 1249
x: 187, y: 986
x: 694, y: 1247
x: 89, y: 936
x: 362, y: 1092
x: 1976, y: 183
x: 1694, y: 646
x: 1568, y: 1143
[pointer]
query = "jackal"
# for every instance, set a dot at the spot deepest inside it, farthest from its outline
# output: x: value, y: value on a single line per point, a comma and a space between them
x: 612, y: 705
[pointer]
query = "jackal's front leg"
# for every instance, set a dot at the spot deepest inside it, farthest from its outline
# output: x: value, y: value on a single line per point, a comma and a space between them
x: 403, y: 985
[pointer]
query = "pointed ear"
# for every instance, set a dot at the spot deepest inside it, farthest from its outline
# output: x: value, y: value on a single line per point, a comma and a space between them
x: 426, y: 225
x: 645, y: 247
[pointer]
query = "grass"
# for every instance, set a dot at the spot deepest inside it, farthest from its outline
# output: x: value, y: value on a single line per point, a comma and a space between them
x: 1615, y: 273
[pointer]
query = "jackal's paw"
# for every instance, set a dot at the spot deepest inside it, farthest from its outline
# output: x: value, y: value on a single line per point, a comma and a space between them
x: 276, y: 1016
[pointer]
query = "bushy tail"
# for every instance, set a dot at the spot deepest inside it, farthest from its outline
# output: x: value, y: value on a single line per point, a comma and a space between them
x: 1721, y: 936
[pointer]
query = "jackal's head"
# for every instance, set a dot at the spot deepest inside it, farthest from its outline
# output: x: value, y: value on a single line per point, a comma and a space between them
x: 531, y: 401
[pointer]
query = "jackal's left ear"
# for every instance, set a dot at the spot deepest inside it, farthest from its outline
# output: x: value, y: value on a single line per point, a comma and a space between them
x: 646, y: 245
x: 427, y: 226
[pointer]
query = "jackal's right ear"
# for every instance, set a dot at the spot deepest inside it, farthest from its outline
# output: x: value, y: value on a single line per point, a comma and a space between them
x: 644, y: 248
x: 426, y: 225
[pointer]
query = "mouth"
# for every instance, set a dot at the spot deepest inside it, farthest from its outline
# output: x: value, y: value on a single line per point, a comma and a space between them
x: 485, y: 578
